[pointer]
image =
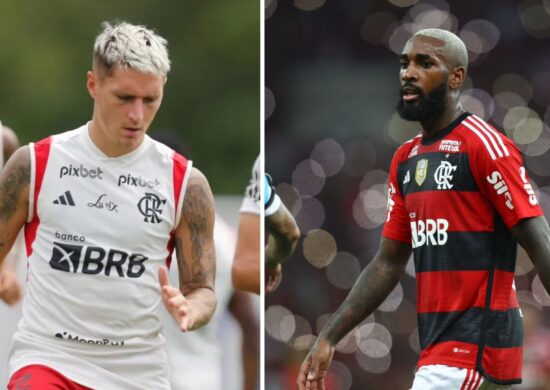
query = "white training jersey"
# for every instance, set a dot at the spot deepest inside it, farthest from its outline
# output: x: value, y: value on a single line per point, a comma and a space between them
x: 195, y: 358
x: 252, y: 197
x: 99, y: 228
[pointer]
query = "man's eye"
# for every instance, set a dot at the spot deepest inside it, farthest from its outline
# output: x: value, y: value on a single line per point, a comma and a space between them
x: 125, y: 98
x: 404, y: 65
x: 426, y: 64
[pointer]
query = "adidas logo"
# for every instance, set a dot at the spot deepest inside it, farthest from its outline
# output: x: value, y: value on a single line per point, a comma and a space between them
x: 66, y: 199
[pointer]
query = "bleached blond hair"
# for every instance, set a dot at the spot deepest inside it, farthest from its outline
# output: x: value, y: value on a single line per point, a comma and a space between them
x: 131, y: 46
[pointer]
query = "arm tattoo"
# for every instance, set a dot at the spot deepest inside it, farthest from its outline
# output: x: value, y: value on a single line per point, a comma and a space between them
x: 12, y: 187
x: 198, y: 213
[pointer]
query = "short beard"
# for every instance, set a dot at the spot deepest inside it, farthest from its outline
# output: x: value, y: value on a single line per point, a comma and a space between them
x: 429, y: 106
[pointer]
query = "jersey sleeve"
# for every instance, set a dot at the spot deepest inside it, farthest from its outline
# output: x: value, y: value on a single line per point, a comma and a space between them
x: 252, y: 198
x: 397, y: 226
x: 499, y: 172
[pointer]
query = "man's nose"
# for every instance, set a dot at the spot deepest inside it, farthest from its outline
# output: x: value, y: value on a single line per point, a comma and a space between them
x: 136, y: 111
x: 409, y: 73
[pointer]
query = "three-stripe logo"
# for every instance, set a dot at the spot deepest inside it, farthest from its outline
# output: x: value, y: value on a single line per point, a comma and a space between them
x: 65, y: 199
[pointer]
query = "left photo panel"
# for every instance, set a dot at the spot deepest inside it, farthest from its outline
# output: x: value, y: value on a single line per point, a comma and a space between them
x: 130, y: 195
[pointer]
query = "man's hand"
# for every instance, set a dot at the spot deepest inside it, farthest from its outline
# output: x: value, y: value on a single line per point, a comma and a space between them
x: 175, y: 303
x: 273, y: 276
x: 315, y: 367
x: 10, y: 290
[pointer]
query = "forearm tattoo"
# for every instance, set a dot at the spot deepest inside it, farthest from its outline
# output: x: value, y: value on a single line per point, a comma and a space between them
x: 12, y: 187
x: 198, y: 213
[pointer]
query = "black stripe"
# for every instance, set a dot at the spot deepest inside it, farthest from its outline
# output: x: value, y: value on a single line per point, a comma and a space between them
x: 504, y: 328
x: 62, y: 200
x: 69, y: 198
x: 467, y: 251
x: 463, y: 251
x: 462, y: 178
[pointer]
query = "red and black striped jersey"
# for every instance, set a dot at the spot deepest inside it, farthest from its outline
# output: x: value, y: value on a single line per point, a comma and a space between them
x: 453, y: 197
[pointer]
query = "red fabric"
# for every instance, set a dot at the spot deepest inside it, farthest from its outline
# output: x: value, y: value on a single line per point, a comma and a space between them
x: 178, y: 174
x: 445, y: 291
x: 502, y: 363
x: 450, y: 353
x: 38, y: 377
x: 41, y: 154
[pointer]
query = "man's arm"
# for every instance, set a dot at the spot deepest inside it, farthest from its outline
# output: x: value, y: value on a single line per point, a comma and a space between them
x: 283, y: 236
x: 533, y: 234
x: 194, y: 303
x: 374, y: 284
x: 14, y: 206
x: 245, y: 271
x: 243, y: 310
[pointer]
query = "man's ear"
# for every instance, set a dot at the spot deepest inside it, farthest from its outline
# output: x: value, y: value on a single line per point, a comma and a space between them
x: 456, y: 78
x: 91, y: 83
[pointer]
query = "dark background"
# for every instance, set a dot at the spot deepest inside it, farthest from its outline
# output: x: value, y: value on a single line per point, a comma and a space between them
x: 331, y: 130
x: 211, y: 98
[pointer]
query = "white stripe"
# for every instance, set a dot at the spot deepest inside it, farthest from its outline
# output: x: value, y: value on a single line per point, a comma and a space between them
x: 469, y: 126
x: 487, y: 134
x: 470, y: 385
x: 496, y: 133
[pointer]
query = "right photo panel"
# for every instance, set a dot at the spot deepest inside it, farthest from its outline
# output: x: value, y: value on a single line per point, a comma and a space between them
x: 408, y: 142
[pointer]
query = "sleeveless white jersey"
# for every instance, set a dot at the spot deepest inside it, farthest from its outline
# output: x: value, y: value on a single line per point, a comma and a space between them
x: 98, y: 230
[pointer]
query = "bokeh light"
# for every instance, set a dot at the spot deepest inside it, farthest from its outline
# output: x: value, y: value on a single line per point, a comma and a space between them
x: 311, y: 215
x: 308, y: 177
x: 344, y: 270
x: 329, y: 154
x: 290, y: 197
x: 319, y: 248
x: 279, y: 323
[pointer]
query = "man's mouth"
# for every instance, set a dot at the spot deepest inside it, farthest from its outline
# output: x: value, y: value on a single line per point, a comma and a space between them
x: 410, y: 93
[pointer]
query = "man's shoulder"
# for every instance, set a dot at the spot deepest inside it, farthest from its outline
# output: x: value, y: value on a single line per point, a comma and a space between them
x: 407, y: 148
x: 481, y: 136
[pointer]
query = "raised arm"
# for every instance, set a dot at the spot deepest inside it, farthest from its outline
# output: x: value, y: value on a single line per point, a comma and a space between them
x: 374, y: 284
x: 194, y: 303
x: 14, y: 208
x: 533, y: 234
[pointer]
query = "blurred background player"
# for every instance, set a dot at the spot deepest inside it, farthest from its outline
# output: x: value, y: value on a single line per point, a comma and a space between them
x: 199, y: 360
x: 282, y: 235
x: 245, y: 271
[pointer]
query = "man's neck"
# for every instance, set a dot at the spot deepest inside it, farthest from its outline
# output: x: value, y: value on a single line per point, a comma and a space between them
x: 432, y: 126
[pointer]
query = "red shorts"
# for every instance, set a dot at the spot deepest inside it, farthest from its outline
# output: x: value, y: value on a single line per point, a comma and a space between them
x: 37, y: 377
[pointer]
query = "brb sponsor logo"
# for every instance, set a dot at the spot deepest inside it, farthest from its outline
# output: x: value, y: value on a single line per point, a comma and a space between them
x: 93, y: 260
x: 431, y: 232
x: 498, y: 183
x: 137, y: 181
x: 78, y: 339
x: 81, y: 171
